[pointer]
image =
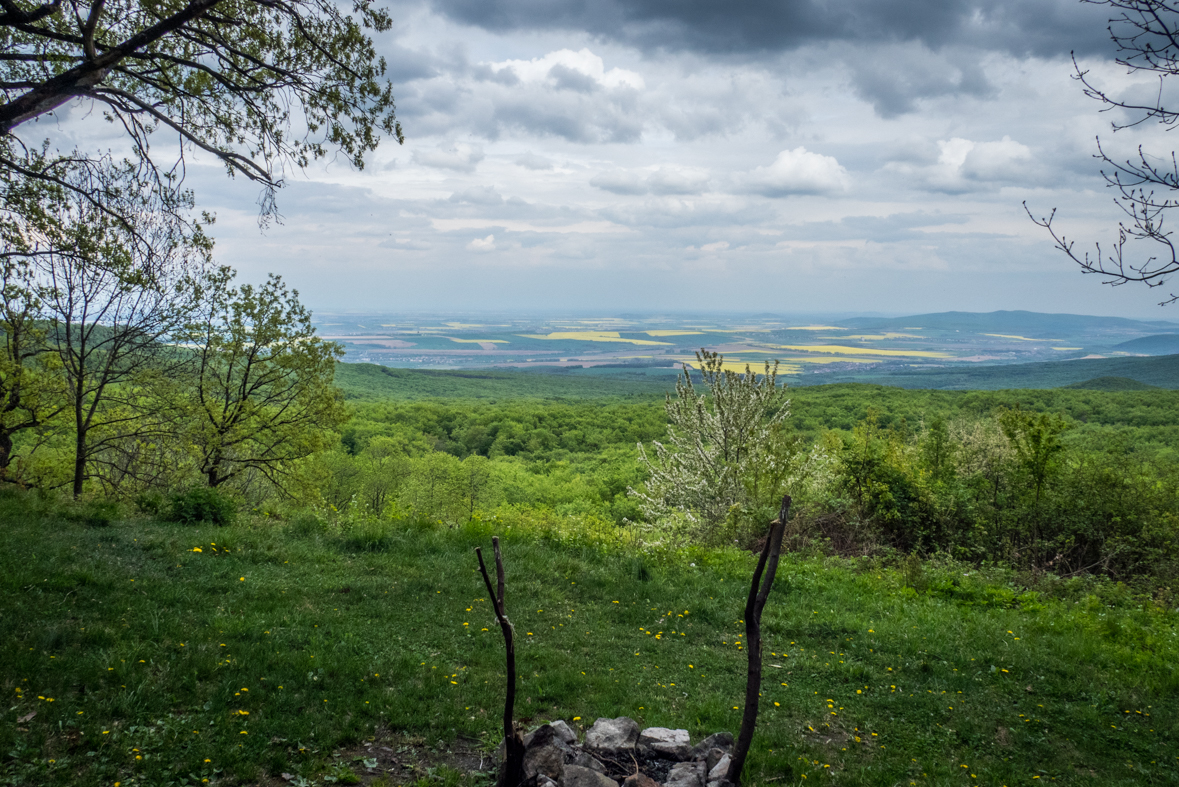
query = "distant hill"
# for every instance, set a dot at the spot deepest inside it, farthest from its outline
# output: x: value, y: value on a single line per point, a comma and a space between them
x: 1161, y: 371
x: 369, y: 381
x: 1159, y: 344
x: 1032, y: 324
x: 1112, y: 384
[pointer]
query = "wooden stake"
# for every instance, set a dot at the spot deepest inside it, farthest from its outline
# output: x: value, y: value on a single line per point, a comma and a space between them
x: 513, y: 769
x: 759, y: 591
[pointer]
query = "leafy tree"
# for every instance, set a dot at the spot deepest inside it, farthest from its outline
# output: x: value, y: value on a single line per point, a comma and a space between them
x: 1036, y: 440
x: 258, y: 83
x: 430, y: 492
x: 475, y: 484
x: 32, y: 392
x: 938, y: 449
x: 714, y: 439
x: 386, y: 465
x: 260, y: 396
x: 110, y: 290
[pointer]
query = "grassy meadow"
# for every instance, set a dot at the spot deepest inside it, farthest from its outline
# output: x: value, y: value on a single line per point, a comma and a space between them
x: 147, y: 653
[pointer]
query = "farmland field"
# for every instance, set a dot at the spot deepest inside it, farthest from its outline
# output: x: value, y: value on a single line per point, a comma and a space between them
x: 952, y: 350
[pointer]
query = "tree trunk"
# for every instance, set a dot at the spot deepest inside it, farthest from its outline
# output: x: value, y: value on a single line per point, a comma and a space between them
x: 79, y: 463
x: 5, y: 452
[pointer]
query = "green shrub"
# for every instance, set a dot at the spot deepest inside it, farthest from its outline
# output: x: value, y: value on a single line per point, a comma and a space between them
x: 371, y: 535
x: 151, y: 502
x: 95, y: 513
x: 307, y: 523
x: 202, y: 504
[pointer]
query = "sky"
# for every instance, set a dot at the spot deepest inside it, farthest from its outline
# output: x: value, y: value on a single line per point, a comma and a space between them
x: 800, y: 156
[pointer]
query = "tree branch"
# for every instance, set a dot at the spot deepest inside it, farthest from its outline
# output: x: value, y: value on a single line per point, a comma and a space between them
x: 59, y: 89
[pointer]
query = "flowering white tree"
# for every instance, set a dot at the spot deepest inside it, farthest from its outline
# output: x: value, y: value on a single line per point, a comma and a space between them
x: 715, y: 439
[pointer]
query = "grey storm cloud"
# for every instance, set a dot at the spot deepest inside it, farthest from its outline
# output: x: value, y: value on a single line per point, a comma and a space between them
x: 915, y: 73
x: 1021, y: 27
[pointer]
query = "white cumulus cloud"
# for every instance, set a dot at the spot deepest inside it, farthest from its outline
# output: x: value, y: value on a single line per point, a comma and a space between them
x: 563, y: 68
x: 482, y: 244
x: 798, y: 171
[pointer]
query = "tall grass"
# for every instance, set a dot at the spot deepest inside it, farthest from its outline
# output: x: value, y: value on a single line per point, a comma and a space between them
x: 237, y: 653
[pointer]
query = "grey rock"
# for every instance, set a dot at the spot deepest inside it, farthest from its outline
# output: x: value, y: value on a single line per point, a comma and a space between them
x: 541, y: 736
x: 544, y: 761
x: 564, y: 732
x: 718, y: 740
x: 720, y: 783
x: 585, y: 760
x: 685, y: 774
x: 712, y: 758
x: 544, y: 781
x: 719, y: 771
x: 612, y: 736
x: 575, y: 776
x: 673, y: 744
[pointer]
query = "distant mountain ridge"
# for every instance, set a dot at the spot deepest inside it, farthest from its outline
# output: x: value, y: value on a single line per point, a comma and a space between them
x: 1159, y: 371
x: 1159, y: 344
x: 1033, y: 324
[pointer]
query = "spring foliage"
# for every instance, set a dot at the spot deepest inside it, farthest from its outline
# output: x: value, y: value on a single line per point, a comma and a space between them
x: 715, y: 439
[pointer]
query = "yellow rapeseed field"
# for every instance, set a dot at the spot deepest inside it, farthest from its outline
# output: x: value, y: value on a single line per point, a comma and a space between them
x: 839, y: 349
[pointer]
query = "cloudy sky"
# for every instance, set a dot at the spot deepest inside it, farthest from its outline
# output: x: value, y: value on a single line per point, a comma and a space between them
x: 761, y: 155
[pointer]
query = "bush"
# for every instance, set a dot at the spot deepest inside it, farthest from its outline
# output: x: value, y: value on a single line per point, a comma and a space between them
x: 150, y: 502
x: 95, y: 513
x: 372, y: 535
x: 202, y: 504
x: 307, y: 524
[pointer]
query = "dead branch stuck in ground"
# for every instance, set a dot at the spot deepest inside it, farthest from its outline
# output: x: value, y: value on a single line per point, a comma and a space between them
x: 759, y: 591
x: 513, y: 768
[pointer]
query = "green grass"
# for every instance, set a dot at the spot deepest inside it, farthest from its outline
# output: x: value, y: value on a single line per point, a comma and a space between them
x: 150, y: 649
